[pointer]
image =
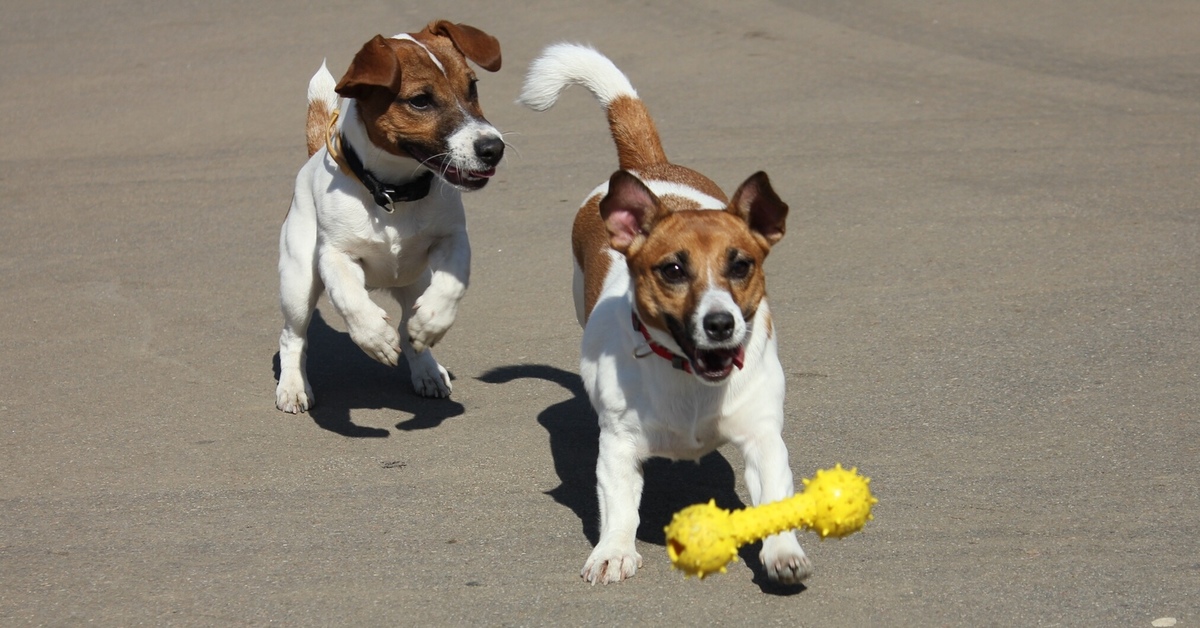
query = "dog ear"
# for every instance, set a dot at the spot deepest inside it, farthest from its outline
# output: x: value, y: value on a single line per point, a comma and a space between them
x: 756, y: 202
x: 629, y: 210
x: 374, y: 67
x: 473, y: 43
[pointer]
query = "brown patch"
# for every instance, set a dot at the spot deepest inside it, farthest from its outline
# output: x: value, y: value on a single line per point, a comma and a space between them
x: 589, y: 242
x: 405, y: 100
x: 756, y: 202
x: 374, y: 68
x: 706, y: 244
x: 672, y: 173
x: 316, y: 126
x: 633, y: 131
x: 473, y: 43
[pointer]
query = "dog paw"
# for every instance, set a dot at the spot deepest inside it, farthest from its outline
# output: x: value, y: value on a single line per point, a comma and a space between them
x: 293, y: 395
x: 784, y: 560
x: 429, y: 379
x: 430, y: 320
x: 608, y: 565
x: 373, y: 333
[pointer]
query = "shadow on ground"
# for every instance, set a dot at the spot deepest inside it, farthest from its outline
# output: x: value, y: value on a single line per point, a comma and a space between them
x: 670, y: 485
x: 345, y: 379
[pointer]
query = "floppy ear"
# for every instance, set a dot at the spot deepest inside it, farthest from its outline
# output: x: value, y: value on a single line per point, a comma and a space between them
x: 374, y: 67
x: 629, y: 210
x: 475, y: 44
x: 756, y: 202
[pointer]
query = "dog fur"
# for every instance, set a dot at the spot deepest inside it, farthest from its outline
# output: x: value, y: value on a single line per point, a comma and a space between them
x: 406, y: 106
x: 661, y: 244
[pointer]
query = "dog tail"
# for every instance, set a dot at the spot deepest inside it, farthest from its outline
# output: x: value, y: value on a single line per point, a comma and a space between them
x: 563, y: 65
x: 322, y: 100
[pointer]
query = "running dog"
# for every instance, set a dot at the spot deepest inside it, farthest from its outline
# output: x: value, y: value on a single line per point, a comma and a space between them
x: 378, y: 204
x: 679, y: 352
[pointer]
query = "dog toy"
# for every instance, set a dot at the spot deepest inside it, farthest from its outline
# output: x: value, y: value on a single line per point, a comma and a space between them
x: 703, y: 539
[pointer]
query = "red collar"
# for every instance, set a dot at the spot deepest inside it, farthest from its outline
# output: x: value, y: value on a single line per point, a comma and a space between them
x: 679, y: 362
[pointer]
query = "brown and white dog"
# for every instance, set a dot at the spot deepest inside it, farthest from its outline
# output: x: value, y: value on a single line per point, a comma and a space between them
x: 378, y: 203
x: 679, y: 353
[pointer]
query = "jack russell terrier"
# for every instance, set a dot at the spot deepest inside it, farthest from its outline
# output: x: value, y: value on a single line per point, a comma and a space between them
x: 378, y: 203
x: 679, y: 353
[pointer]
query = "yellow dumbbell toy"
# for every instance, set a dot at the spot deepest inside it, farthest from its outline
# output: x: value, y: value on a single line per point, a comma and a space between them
x: 702, y: 539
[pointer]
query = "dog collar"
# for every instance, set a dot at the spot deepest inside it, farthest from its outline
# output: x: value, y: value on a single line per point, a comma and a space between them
x: 677, y: 361
x: 385, y: 194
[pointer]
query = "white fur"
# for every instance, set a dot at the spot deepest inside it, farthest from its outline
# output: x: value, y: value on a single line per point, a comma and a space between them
x: 321, y: 88
x: 432, y: 57
x: 335, y: 238
x: 646, y: 407
x: 563, y: 65
x: 462, y: 141
x: 712, y: 301
x: 668, y: 188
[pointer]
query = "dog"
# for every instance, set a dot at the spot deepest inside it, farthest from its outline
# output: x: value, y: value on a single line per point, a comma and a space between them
x: 378, y: 204
x: 679, y: 353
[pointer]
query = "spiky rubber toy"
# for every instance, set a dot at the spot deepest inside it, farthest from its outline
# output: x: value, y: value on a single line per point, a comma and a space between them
x: 703, y: 539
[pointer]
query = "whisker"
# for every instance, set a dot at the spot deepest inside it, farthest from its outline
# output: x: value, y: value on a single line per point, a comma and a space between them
x: 508, y: 147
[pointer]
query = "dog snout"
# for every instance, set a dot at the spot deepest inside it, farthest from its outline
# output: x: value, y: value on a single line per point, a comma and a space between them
x: 489, y: 150
x: 719, y: 326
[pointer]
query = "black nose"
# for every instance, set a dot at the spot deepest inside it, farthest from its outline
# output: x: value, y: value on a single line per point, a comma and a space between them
x: 718, y: 326
x: 489, y: 149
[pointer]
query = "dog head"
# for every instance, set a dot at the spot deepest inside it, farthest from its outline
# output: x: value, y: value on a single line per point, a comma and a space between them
x: 417, y: 97
x: 697, y: 274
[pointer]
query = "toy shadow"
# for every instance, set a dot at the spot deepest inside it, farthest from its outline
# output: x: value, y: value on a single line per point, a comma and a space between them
x: 344, y: 379
x: 669, y: 485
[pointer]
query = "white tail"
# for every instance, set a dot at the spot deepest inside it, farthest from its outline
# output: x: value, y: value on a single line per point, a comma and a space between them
x: 563, y: 65
x: 321, y: 88
x: 322, y: 101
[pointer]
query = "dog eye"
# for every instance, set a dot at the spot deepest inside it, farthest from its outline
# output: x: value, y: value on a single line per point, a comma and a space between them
x: 740, y: 268
x: 420, y: 102
x: 672, y: 272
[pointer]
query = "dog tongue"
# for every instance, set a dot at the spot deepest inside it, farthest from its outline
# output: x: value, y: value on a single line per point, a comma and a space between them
x: 739, y: 358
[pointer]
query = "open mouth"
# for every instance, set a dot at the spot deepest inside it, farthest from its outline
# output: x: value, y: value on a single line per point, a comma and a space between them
x: 467, y: 179
x: 710, y: 364
x: 470, y: 179
x: 715, y: 365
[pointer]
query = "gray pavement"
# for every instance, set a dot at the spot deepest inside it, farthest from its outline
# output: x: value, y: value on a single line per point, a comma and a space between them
x: 987, y: 301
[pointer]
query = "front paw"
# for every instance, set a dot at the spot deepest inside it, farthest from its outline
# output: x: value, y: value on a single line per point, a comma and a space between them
x: 431, y: 319
x: 429, y: 379
x: 293, y: 394
x: 784, y: 559
x: 609, y: 564
x: 373, y: 333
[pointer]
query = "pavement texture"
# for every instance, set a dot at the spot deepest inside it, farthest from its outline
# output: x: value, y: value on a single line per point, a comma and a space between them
x: 987, y: 301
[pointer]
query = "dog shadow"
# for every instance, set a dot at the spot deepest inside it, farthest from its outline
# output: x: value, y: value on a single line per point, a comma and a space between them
x: 669, y: 485
x: 344, y: 379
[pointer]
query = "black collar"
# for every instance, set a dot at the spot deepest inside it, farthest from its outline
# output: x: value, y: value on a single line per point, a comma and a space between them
x: 385, y: 194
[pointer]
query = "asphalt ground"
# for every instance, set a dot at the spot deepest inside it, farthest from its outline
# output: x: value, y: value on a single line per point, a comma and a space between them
x: 987, y: 301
